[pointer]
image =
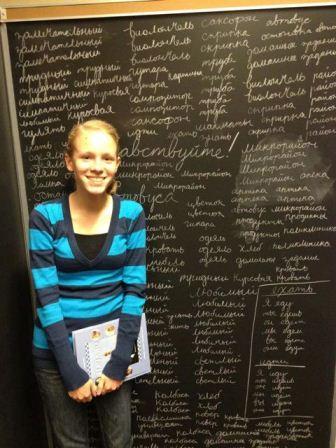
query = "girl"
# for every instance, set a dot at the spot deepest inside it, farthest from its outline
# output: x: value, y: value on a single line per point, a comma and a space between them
x: 87, y: 253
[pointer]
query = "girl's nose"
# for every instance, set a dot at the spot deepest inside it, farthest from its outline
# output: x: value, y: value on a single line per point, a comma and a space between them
x: 97, y: 165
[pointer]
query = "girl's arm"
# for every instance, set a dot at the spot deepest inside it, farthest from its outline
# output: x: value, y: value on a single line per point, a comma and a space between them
x: 49, y: 312
x: 134, y: 285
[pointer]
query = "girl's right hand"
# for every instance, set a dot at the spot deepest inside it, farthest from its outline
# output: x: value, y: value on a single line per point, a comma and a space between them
x: 85, y: 393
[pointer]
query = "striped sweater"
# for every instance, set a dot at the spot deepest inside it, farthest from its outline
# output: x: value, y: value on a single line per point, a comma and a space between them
x: 73, y: 292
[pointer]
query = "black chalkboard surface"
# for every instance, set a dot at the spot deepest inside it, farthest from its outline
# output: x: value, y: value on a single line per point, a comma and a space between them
x: 229, y: 125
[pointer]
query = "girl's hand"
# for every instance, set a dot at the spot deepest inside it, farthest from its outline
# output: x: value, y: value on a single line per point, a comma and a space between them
x: 106, y: 385
x: 84, y: 393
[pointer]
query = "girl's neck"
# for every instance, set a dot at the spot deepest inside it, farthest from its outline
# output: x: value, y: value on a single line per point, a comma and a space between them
x: 82, y: 200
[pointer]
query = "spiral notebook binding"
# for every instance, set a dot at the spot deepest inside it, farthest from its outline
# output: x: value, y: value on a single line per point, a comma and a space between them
x: 88, y: 359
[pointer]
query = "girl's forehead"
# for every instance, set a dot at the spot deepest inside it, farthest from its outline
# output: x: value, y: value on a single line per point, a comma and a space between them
x: 95, y: 139
x: 94, y: 135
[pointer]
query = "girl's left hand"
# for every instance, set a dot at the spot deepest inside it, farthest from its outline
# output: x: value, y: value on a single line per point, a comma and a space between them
x: 106, y: 385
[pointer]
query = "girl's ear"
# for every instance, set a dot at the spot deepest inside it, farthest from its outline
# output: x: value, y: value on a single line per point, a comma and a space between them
x: 68, y: 162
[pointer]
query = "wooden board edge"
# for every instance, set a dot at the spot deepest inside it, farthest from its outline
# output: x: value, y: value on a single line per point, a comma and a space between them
x: 148, y: 8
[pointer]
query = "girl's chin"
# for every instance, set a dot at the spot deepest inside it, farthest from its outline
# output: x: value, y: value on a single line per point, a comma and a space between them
x: 94, y: 190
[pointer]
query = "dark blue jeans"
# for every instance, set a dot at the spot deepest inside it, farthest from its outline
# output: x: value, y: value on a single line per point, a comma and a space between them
x: 69, y: 419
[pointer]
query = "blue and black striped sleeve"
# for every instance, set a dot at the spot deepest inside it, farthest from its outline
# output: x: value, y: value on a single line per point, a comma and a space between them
x: 49, y: 312
x: 134, y: 286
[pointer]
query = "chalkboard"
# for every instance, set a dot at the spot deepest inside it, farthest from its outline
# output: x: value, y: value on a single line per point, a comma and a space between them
x: 228, y: 140
x: 21, y: 407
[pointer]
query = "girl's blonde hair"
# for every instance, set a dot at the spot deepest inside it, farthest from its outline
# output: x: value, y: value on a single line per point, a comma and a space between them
x: 94, y: 125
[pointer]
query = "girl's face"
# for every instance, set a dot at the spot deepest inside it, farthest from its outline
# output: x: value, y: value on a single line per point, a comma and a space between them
x: 94, y: 161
